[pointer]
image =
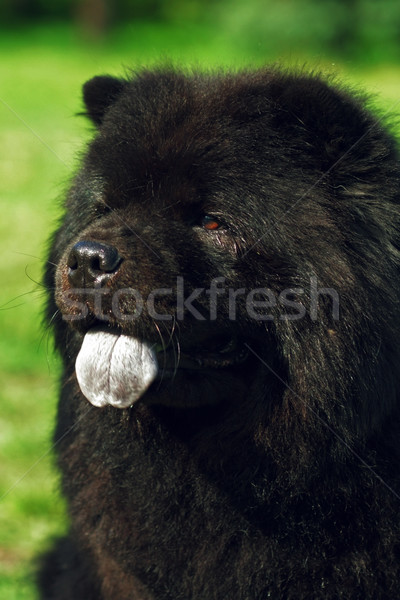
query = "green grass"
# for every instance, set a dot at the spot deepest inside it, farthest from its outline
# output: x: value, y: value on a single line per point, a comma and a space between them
x: 41, y: 73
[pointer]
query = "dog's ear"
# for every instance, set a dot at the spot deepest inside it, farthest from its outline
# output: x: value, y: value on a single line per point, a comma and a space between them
x: 99, y: 94
x: 341, y: 134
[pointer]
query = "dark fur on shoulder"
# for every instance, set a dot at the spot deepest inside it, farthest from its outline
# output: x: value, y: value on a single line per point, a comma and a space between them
x: 271, y: 469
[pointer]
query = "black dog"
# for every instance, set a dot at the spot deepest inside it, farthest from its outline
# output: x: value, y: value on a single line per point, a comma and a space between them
x: 226, y: 282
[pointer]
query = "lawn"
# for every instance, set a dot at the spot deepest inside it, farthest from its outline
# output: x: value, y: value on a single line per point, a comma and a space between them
x: 41, y: 72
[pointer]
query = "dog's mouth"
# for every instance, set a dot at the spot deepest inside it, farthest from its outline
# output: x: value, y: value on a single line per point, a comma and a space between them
x: 117, y: 369
x: 220, y: 353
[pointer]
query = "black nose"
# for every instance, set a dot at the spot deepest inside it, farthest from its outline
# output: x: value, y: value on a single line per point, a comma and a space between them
x: 92, y: 263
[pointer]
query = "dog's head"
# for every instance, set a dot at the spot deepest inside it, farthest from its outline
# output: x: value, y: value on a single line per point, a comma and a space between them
x: 232, y: 237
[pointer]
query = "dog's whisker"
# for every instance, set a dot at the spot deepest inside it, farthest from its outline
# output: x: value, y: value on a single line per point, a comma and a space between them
x: 164, y: 349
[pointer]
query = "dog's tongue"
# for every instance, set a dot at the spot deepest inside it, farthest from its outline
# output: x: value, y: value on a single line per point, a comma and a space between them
x: 114, y: 369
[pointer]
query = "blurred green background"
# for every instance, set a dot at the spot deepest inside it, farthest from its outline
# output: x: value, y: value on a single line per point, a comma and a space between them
x: 48, y: 49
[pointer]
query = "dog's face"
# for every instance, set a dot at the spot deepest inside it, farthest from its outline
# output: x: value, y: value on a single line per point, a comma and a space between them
x: 207, y: 216
x: 156, y: 258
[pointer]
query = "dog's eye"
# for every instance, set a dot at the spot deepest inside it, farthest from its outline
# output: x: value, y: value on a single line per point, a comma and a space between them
x: 211, y: 223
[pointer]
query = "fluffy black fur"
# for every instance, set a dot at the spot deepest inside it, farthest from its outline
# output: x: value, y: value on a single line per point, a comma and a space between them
x: 277, y: 477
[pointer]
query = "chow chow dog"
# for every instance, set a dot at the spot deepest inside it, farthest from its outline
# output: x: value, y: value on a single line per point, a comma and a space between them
x: 224, y: 293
